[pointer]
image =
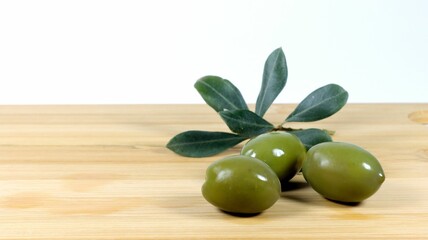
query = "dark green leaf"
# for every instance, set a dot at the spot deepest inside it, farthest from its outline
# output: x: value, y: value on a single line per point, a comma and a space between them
x: 220, y: 93
x: 321, y: 103
x: 245, y: 122
x: 202, y: 143
x: 312, y: 136
x: 274, y: 78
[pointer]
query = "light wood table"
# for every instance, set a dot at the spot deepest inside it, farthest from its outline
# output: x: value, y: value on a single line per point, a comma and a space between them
x: 103, y: 172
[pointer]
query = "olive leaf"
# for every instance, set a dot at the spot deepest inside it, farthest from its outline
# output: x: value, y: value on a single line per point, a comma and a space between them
x: 227, y: 100
x: 220, y: 94
x: 203, y: 143
x: 321, y: 103
x: 245, y: 122
x: 274, y: 79
x: 311, y: 136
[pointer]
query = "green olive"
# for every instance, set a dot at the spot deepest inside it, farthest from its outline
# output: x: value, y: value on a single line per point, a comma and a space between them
x: 241, y: 184
x: 342, y: 172
x: 282, y: 151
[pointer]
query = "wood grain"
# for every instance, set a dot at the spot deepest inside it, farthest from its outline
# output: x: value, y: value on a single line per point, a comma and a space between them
x: 102, y: 172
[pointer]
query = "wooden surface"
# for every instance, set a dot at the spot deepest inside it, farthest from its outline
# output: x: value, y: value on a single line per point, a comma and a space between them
x: 102, y: 172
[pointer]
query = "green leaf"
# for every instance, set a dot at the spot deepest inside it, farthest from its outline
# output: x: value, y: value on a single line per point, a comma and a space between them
x: 319, y: 104
x: 311, y: 136
x: 220, y: 94
x: 202, y: 143
x: 245, y: 122
x: 274, y: 78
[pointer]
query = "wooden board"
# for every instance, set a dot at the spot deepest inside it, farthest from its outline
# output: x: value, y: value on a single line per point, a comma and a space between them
x: 102, y: 172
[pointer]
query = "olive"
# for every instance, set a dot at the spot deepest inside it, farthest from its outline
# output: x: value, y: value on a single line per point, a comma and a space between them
x: 342, y: 172
x: 282, y: 151
x: 241, y: 184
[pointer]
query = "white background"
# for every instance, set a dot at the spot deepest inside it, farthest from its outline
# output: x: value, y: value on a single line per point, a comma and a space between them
x: 153, y: 51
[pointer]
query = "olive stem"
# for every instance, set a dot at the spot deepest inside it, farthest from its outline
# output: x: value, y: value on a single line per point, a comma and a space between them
x: 288, y: 129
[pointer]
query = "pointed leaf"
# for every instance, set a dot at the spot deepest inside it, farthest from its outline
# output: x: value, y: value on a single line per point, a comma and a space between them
x: 311, y: 137
x: 274, y: 78
x: 202, y: 143
x: 220, y: 94
x: 319, y: 104
x: 245, y: 122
